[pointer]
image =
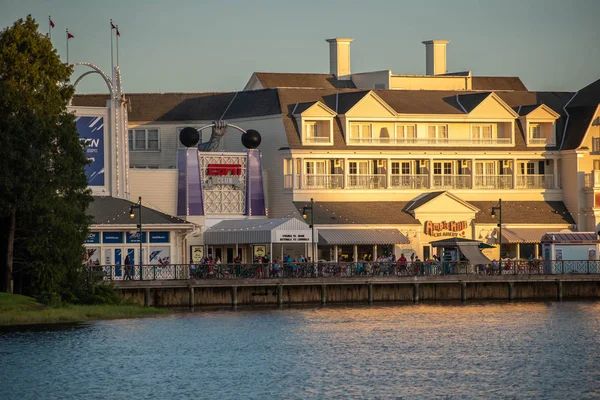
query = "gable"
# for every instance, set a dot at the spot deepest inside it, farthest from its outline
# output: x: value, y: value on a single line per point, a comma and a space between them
x: 318, y: 110
x: 543, y: 112
x: 493, y: 107
x: 370, y: 106
x: 440, y: 207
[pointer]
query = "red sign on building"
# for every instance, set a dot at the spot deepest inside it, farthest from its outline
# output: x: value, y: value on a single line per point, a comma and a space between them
x: 223, y: 169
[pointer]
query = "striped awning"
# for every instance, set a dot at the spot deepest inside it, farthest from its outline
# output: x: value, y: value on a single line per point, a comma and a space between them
x: 524, y: 235
x: 361, y: 236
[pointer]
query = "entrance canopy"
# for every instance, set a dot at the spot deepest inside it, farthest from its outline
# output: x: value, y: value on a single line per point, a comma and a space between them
x: 255, y: 231
x: 469, y: 248
x: 361, y: 237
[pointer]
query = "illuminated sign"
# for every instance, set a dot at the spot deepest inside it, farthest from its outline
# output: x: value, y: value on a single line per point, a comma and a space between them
x: 445, y: 228
x: 223, y: 169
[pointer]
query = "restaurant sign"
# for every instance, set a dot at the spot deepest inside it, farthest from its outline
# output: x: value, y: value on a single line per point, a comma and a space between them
x: 445, y: 228
x: 223, y: 174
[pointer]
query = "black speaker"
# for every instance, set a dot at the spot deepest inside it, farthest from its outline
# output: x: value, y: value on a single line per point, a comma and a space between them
x: 251, y: 139
x: 189, y: 137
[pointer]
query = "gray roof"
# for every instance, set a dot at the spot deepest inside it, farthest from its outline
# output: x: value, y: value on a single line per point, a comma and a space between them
x: 361, y: 236
x: 252, y: 231
x: 114, y: 211
x: 497, y: 83
x: 587, y: 96
x: 562, y: 237
x: 525, y: 212
x: 295, y: 80
x: 579, y: 121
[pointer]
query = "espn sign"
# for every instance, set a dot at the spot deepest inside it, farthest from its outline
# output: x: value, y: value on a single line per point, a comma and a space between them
x: 223, y: 169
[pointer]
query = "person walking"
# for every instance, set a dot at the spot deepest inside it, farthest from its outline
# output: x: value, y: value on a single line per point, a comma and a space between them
x: 128, y: 268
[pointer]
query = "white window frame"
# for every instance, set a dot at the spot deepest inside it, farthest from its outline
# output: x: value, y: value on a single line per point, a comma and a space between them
x: 437, y: 137
x: 316, y: 131
x: 596, y: 145
x: 477, y: 134
x: 132, y: 142
x: 361, y: 133
x: 357, y: 164
x: 401, y: 133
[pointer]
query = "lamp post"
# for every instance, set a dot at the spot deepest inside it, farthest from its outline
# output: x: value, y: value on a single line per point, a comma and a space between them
x: 312, y: 224
x: 138, y: 206
x: 499, y: 209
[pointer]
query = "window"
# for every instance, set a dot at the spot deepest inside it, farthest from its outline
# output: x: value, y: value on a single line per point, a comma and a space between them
x: 406, y: 133
x: 311, y: 129
x: 359, y: 167
x: 527, y: 168
x: 482, y: 133
x: 535, y: 132
x: 596, y: 145
x: 144, y: 139
x: 315, y: 167
x: 442, y: 168
x: 360, y: 133
x: 437, y: 133
x: 401, y: 168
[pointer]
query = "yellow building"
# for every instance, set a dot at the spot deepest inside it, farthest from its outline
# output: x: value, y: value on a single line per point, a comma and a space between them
x: 406, y: 159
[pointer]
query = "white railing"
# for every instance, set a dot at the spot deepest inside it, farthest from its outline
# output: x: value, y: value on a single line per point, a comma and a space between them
x: 424, y: 141
x: 535, y: 181
x: 317, y: 139
x: 540, y: 141
x: 323, y: 181
x: 289, y: 182
x: 592, y: 180
x: 493, y: 181
x: 409, y: 181
x: 451, y: 181
x: 366, y: 181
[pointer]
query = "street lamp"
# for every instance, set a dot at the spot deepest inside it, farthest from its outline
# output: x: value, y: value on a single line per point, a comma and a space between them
x: 312, y: 224
x: 499, y: 209
x: 132, y: 207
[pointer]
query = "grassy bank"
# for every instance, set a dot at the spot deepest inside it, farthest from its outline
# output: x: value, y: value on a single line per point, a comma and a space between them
x: 22, y: 310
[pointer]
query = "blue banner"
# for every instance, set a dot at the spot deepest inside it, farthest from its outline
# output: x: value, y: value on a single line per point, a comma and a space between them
x: 159, y: 237
x: 91, y: 136
x: 134, y: 237
x: 92, y: 237
x: 112, y: 237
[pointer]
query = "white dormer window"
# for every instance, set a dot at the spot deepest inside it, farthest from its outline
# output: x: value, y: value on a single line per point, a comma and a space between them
x: 311, y: 130
x: 360, y: 133
x: 482, y: 133
x: 317, y: 132
x: 437, y: 133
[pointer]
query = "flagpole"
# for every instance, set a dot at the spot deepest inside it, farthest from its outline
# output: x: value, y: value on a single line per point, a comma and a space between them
x: 67, y: 46
x: 49, y: 28
x: 117, y: 35
x: 112, y: 62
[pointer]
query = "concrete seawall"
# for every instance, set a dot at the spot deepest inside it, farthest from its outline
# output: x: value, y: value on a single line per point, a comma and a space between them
x: 191, y: 293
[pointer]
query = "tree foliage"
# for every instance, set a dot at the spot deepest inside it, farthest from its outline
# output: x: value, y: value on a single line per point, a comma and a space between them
x: 43, y: 187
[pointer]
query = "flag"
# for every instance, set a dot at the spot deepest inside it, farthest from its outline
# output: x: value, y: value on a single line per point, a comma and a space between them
x: 51, y: 22
x: 112, y: 26
x: 69, y: 36
x: 118, y: 33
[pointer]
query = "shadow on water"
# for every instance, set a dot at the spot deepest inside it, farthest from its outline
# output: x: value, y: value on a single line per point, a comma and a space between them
x: 60, y: 327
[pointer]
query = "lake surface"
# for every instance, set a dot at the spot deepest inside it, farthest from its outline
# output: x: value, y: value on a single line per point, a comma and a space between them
x: 502, y: 350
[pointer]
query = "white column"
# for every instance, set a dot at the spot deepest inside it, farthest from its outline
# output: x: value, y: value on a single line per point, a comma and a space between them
x: 335, y: 253
x: 514, y: 171
x: 518, y: 251
x: 555, y: 163
x: 472, y: 173
x: 430, y: 166
x: 346, y: 169
x: 355, y: 253
x: 301, y: 174
x: 374, y: 252
x: 294, y: 183
x: 388, y: 171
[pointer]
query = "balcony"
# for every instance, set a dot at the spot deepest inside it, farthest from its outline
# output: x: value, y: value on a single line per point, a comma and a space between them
x: 451, y: 181
x: 429, y: 141
x: 356, y: 181
x: 409, y: 181
x: 330, y: 181
x: 317, y: 140
x: 535, y: 181
x: 592, y: 181
x: 493, y: 181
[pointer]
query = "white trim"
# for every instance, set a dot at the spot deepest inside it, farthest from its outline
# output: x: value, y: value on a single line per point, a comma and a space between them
x: 562, y: 142
x: 145, y: 149
x: 461, y: 106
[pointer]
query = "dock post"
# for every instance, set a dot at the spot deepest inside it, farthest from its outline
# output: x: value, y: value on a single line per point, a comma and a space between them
x: 279, y: 294
x: 559, y: 290
x: 415, y: 292
x: 146, y: 297
x: 463, y: 291
x: 370, y: 293
x: 234, y: 299
x: 192, y: 300
x: 323, y: 294
x: 511, y: 291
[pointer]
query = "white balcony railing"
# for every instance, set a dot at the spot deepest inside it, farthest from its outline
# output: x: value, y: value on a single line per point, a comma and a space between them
x: 592, y: 180
x: 409, y: 181
x: 493, y: 181
x: 535, y: 181
x: 317, y: 139
x: 451, y: 181
x: 540, y: 141
x: 427, y: 141
x: 323, y: 181
x: 356, y: 181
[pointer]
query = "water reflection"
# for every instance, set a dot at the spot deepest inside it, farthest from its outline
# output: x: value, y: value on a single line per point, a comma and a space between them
x: 494, y: 350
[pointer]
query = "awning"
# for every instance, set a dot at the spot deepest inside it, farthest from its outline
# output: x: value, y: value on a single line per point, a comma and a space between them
x: 258, y: 231
x: 473, y: 254
x: 524, y: 235
x: 361, y: 236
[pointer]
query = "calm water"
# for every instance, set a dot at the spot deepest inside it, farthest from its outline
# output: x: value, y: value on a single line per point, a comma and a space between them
x: 520, y: 350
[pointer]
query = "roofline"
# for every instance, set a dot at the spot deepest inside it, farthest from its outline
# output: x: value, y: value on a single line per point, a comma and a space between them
x: 562, y: 142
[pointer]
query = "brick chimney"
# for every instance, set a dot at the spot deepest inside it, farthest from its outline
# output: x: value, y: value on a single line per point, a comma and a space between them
x: 339, y: 57
x: 435, y: 56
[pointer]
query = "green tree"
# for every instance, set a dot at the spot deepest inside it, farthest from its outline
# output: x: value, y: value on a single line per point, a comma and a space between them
x: 43, y: 187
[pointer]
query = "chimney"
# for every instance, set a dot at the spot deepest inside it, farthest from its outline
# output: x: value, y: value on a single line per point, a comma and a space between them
x: 435, y: 56
x: 339, y: 57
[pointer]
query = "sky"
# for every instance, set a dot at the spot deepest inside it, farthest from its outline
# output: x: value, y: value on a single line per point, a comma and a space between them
x: 216, y: 45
